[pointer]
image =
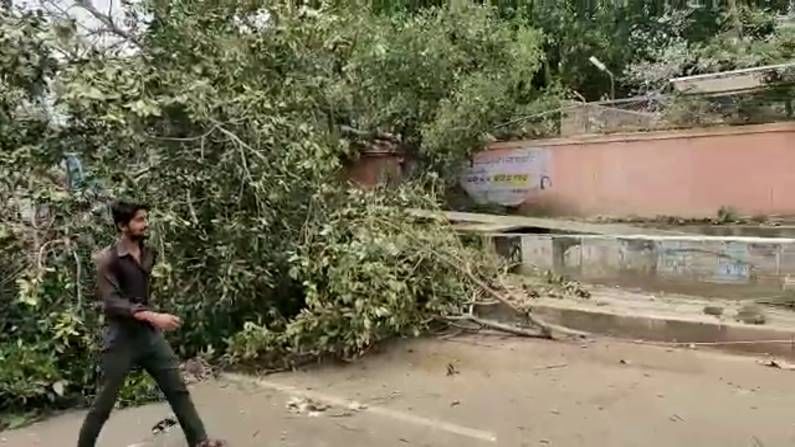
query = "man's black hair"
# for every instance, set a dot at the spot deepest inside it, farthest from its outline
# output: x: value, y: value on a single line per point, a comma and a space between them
x: 124, y: 211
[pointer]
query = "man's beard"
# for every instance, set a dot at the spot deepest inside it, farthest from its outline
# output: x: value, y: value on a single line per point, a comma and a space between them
x: 138, y: 237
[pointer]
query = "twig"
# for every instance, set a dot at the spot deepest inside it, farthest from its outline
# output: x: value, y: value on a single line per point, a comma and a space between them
x: 501, y: 327
x: 461, y: 328
x: 44, y: 249
x: 8, y: 279
x: 191, y: 209
x: 248, y: 147
x: 549, y: 326
x: 78, y: 274
x: 533, y: 115
x: 241, y: 146
x: 555, y: 366
x: 110, y: 25
x: 546, y: 328
x: 66, y: 16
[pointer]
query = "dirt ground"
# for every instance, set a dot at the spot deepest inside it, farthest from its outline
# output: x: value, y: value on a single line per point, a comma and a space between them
x: 481, y: 391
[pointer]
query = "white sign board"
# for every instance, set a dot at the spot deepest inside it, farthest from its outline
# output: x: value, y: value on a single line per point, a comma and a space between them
x: 507, y: 177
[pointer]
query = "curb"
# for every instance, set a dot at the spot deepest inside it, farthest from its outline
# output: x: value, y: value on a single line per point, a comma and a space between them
x: 731, y: 337
x: 728, y: 337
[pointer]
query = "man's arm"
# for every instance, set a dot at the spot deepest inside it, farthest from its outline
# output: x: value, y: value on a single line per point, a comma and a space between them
x: 115, y: 304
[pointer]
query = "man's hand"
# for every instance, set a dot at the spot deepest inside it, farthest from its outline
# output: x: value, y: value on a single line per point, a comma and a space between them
x: 164, y: 322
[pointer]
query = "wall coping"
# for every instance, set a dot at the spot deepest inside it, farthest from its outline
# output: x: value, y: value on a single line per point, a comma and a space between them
x: 750, y: 240
x: 701, y: 132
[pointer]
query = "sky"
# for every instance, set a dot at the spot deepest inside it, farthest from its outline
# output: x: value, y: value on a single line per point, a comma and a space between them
x: 83, y: 18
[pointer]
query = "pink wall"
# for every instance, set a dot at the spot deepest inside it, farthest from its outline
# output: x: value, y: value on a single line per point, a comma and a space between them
x: 689, y: 173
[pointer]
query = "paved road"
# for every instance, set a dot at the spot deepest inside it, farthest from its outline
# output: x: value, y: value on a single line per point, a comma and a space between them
x: 483, y: 391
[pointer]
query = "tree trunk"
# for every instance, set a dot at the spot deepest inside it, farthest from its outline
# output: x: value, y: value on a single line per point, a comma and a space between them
x: 734, y: 14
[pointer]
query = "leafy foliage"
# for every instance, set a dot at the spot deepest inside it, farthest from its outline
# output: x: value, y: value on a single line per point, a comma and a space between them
x: 227, y: 120
x: 627, y: 35
x: 761, y: 43
x: 441, y: 79
x: 370, y: 272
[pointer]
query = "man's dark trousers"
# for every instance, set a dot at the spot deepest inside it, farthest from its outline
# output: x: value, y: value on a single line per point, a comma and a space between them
x: 148, y: 349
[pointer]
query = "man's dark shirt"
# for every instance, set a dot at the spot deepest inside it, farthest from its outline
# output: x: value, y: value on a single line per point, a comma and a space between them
x: 123, y: 286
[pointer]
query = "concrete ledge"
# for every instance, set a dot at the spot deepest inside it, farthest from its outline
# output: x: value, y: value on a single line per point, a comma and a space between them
x: 622, y: 137
x: 508, y: 224
x: 740, y: 267
x: 668, y: 322
x: 737, y: 337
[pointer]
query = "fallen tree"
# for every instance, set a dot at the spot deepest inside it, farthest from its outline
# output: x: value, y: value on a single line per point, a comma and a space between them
x: 234, y: 128
x: 371, y: 272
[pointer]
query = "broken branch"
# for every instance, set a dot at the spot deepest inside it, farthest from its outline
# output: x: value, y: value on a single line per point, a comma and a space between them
x: 500, y: 326
x: 546, y: 328
x: 552, y: 327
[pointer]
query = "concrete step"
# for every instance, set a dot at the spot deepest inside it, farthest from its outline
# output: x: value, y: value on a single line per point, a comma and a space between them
x: 493, y: 223
x: 671, y: 319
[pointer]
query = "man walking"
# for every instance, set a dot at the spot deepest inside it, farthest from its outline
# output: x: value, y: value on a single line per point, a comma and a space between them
x: 134, y: 333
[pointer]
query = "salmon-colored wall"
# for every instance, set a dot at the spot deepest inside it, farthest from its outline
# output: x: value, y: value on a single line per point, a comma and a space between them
x: 678, y: 173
